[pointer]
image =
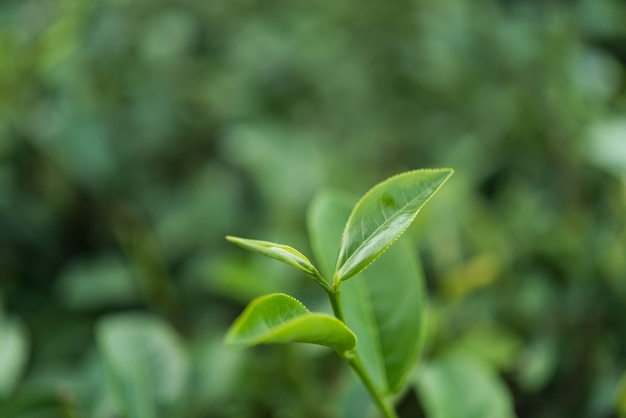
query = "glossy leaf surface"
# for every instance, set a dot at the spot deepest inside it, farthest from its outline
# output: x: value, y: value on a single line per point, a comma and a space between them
x: 385, y: 307
x: 280, y: 252
x: 382, y: 215
x: 457, y: 386
x: 279, y: 318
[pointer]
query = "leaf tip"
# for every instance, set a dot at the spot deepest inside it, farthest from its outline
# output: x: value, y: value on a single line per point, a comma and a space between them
x: 231, y: 238
x: 450, y: 171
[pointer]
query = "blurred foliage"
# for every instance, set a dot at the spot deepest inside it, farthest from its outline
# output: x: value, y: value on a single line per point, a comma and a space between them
x: 135, y: 134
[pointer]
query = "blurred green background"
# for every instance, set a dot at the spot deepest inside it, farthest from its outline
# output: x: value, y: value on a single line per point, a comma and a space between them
x: 135, y: 134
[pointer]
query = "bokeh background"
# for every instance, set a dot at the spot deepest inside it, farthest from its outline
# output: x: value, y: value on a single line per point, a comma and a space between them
x: 136, y: 134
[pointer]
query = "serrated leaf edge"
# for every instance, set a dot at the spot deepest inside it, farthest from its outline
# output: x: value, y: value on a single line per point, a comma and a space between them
x: 283, y: 325
x: 338, y: 276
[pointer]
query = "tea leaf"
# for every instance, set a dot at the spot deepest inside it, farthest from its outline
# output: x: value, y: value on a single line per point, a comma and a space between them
x: 326, y: 218
x: 14, y: 348
x: 385, y: 307
x: 382, y: 215
x: 279, y: 318
x: 284, y: 253
x: 388, y: 302
x: 457, y: 386
x: 146, y: 363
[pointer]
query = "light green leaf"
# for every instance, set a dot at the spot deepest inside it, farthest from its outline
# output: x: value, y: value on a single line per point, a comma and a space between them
x: 284, y: 253
x: 385, y: 307
x: 146, y: 363
x: 382, y: 215
x: 457, y: 386
x: 280, y: 318
x: 14, y: 349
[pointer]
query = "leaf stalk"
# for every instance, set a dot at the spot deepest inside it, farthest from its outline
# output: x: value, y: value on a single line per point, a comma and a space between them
x: 335, y: 302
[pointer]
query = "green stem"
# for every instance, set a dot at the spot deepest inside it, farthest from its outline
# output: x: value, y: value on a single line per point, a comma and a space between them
x: 335, y: 302
x: 316, y: 276
x: 355, y: 361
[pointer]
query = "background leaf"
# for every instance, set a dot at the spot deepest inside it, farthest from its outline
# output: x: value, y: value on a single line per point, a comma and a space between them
x: 385, y: 307
x: 14, y: 349
x: 279, y: 318
x: 326, y: 218
x: 458, y: 386
x: 382, y: 215
x: 147, y: 366
x: 621, y: 397
x: 203, y: 118
x: 98, y: 283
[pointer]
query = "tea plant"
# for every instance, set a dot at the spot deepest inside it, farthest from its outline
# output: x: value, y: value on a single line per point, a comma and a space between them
x: 378, y: 317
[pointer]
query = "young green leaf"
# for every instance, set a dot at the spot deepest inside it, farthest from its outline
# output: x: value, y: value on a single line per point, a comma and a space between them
x: 284, y: 253
x: 382, y: 215
x: 279, y: 318
x: 385, y: 307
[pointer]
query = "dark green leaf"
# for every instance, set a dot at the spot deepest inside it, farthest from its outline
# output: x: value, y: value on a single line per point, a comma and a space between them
x: 388, y: 302
x: 326, y: 218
